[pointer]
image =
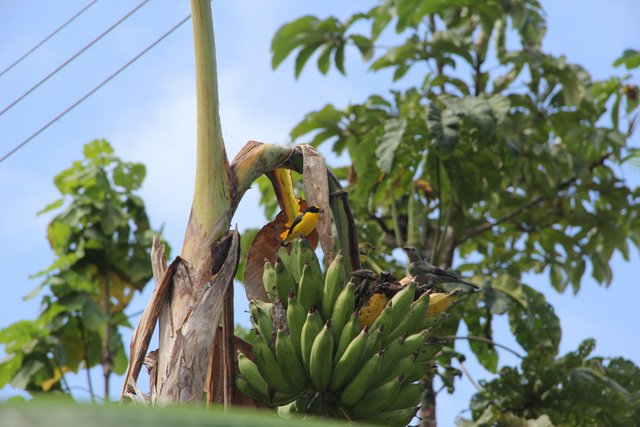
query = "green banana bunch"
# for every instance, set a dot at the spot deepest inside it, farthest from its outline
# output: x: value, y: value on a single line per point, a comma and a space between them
x: 323, y: 360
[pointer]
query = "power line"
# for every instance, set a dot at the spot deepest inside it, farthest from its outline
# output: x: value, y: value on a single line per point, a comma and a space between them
x: 80, y: 52
x: 46, y: 39
x: 95, y: 89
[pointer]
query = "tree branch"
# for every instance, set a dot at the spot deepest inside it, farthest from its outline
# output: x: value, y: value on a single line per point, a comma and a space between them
x: 481, y: 339
x: 479, y: 229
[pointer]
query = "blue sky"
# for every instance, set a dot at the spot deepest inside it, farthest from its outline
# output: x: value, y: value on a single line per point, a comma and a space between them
x: 148, y: 115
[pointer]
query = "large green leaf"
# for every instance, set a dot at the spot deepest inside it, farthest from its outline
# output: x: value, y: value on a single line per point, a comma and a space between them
x: 391, y: 138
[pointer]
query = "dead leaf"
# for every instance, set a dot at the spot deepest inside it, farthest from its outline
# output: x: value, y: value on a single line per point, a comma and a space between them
x: 264, y: 248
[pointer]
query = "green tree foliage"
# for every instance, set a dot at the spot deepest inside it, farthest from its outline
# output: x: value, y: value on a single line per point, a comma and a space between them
x: 495, y: 151
x: 101, y: 239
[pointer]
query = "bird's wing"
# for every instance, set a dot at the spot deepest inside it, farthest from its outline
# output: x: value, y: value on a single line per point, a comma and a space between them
x: 295, y: 222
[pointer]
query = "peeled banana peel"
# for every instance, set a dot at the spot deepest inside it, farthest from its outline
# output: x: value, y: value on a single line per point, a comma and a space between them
x: 339, y: 356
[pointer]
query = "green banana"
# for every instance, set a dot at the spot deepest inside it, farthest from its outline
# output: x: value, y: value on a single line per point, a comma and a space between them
x: 433, y: 321
x: 414, y: 342
x: 268, y: 366
x: 288, y: 261
x: 296, y: 317
x: 398, y: 417
x: 349, y: 332
x: 412, y: 320
x: 343, y: 308
x: 320, y: 360
x: 392, y: 353
x: 384, y: 321
x: 308, y: 288
x: 402, y: 366
x: 377, y: 399
x: 374, y: 343
x: 269, y: 281
x: 294, y: 255
x: 307, y: 255
x: 401, y: 302
x: 310, y: 330
x: 361, y: 382
x: 289, y: 360
x: 409, y: 395
x: 261, y: 317
x: 429, y: 350
x: 284, y: 282
x: 333, y: 284
x: 418, y: 370
x: 346, y: 364
x: 251, y: 373
x: 247, y: 389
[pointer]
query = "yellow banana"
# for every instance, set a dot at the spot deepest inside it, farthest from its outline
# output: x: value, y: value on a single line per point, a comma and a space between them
x: 439, y: 302
x: 372, y: 309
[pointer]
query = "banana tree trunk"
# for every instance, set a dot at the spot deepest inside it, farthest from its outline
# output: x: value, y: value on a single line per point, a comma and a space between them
x: 195, y: 361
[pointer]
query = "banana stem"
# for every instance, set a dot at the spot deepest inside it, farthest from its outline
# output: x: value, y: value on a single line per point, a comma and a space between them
x: 211, y: 206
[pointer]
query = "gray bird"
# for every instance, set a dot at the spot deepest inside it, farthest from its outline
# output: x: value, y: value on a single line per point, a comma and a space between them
x: 428, y: 274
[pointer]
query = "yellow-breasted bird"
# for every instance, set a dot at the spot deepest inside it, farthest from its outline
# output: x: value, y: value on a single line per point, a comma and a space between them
x: 304, y: 223
x: 428, y: 274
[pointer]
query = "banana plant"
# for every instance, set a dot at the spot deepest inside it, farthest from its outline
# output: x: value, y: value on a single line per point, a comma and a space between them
x: 193, y: 294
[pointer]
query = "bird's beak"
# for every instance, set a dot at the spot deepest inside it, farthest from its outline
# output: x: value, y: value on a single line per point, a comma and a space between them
x: 320, y: 210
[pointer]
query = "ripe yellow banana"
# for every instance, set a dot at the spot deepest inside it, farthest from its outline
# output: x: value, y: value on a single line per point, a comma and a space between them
x: 372, y: 309
x: 439, y: 302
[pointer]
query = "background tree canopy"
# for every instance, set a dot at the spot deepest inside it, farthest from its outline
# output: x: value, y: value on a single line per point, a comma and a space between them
x: 498, y: 156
